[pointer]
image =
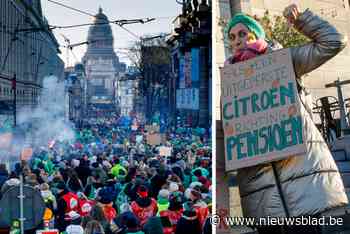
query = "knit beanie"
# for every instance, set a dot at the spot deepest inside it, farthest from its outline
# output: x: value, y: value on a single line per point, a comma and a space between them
x: 44, y: 187
x: 163, y: 196
x: 253, y: 25
x: 173, y: 187
x: 75, y: 163
x: 105, y: 197
x: 131, y: 221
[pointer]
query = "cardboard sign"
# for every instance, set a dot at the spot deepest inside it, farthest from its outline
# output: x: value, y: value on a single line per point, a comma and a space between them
x: 165, y: 151
x: 261, y: 111
x: 5, y: 140
x: 26, y: 153
x: 134, y: 127
x: 152, y: 128
x: 154, y: 139
x: 51, y: 143
x: 139, y: 138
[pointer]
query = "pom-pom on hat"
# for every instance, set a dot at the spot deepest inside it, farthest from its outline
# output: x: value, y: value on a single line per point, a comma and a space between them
x: 142, y: 191
x: 253, y: 25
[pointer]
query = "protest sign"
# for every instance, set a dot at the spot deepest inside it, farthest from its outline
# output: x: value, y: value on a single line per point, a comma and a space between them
x: 165, y: 151
x: 26, y: 153
x: 154, y: 139
x: 261, y: 111
x: 134, y: 127
x: 152, y: 128
x: 51, y: 143
x: 5, y: 140
x: 139, y: 138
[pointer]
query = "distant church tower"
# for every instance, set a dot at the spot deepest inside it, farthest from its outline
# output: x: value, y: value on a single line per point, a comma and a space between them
x: 101, y: 62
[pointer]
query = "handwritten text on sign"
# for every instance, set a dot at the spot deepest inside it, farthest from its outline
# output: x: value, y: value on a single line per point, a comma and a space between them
x: 261, y: 111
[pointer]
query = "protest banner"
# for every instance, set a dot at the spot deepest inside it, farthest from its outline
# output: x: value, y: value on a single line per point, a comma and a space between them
x: 165, y: 151
x: 26, y: 153
x: 261, y: 111
x: 154, y: 139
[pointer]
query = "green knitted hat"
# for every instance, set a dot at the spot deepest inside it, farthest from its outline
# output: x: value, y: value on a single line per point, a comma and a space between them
x: 253, y: 25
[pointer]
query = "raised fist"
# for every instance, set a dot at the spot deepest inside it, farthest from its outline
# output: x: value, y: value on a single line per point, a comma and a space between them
x: 291, y: 13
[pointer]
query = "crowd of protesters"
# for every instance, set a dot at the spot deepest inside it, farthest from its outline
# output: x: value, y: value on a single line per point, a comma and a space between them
x: 110, y: 180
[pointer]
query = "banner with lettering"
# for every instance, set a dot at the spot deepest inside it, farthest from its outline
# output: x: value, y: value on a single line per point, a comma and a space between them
x: 260, y: 110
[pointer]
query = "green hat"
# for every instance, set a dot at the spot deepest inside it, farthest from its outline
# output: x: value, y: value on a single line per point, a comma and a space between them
x: 253, y: 25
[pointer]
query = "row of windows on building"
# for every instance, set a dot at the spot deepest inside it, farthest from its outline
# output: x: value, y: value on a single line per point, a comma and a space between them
x: 31, y: 55
x: 127, y: 102
x: 8, y: 91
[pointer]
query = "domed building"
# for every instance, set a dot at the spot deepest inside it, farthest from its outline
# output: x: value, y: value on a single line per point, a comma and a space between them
x: 101, y: 65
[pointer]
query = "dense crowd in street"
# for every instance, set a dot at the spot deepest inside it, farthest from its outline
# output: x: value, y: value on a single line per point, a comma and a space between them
x: 110, y: 180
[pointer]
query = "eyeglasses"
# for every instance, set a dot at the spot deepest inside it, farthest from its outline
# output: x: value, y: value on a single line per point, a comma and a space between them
x: 241, y: 34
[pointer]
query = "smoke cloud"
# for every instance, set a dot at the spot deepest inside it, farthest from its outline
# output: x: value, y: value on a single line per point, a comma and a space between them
x: 47, y: 122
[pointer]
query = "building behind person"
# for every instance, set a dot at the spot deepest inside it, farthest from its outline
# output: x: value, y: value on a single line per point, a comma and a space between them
x: 75, y: 93
x: 101, y: 66
x: 128, y: 98
x: 191, y: 55
x: 28, y: 51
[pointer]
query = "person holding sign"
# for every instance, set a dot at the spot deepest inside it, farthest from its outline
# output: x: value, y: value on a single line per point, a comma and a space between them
x: 298, y: 185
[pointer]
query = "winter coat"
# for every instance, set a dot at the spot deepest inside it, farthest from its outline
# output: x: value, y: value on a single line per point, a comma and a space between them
x: 134, y: 232
x: 202, y: 211
x: 83, y: 172
x: 8, y: 184
x: 66, y: 202
x: 49, y: 199
x: 116, y: 170
x: 3, y: 177
x: 100, y: 173
x: 144, y: 208
x: 153, y: 226
x: 173, y: 216
x: 299, y: 185
x: 162, y: 205
x: 188, y: 223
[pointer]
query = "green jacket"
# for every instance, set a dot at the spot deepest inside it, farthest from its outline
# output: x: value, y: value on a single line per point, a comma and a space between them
x: 116, y: 170
x: 162, y: 206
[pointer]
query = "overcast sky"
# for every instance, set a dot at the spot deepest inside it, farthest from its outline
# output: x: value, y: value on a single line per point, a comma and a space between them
x: 163, y: 10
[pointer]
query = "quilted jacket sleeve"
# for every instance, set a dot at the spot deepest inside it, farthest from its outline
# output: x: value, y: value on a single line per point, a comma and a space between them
x: 325, y: 43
